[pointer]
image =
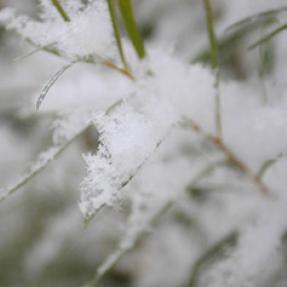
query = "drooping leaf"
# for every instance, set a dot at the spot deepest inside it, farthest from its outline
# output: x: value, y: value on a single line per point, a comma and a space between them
x: 117, y: 32
x: 131, y: 27
x: 51, y: 82
x: 259, y: 18
x: 61, y: 10
x: 268, y: 37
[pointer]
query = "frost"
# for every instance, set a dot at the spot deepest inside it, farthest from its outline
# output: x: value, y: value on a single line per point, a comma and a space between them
x: 80, y: 38
x: 260, y: 242
x: 65, y: 131
x: 127, y: 140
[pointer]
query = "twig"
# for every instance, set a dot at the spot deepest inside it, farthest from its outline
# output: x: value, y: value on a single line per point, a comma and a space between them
x: 230, y: 155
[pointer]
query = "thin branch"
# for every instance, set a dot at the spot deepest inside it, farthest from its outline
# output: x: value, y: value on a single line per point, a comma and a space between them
x: 230, y: 155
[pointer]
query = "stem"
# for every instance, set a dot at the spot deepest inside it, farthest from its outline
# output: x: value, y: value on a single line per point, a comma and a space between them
x: 230, y: 155
x: 214, y: 64
x: 117, y: 32
x: 126, y: 72
x: 61, y: 10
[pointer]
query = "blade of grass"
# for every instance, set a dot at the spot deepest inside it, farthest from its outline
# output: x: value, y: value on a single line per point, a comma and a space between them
x: 61, y: 10
x: 214, y: 63
x: 262, y: 17
x: 268, y: 37
x: 117, y: 32
x: 268, y: 164
x: 215, y: 251
x: 51, y: 83
x: 127, y: 14
x: 44, y: 159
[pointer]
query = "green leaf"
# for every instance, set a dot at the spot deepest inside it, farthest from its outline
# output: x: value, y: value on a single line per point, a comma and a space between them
x: 214, y: 63
x: 51, y: 83
x: 127, y: 14
x: 117, y: 31
x: 268, y: 37
x: 260, y: 18
x: 61, y: 10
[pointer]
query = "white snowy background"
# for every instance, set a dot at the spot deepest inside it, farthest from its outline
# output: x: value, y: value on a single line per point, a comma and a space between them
x: 137, y: 190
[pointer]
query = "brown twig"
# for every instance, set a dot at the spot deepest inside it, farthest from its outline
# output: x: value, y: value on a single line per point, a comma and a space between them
x: 230, y: 155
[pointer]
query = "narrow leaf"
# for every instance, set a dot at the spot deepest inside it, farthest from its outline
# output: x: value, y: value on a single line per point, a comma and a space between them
x: 268, y: 37
x: 51, y: 82
x: 117, y: 31
x: 262, y: 17
x: 214, y: 63
x: 126, y: 10
x: 61, y: 10
x: 44, y: 159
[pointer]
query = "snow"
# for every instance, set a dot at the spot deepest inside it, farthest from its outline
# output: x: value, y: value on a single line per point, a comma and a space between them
x: 147, y: 160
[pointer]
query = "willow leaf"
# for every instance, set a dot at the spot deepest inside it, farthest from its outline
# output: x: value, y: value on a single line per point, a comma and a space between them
x: 259, y: 18
x: 51, y: 82
x: 61, y: 10
x: 117, y: 31
x: 268, y: 37
x: 127, y: 14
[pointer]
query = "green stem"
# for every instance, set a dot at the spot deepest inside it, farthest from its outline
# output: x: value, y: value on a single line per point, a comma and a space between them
x: 117, y: 32
x: 61, y: 10
x: 214, y: 64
